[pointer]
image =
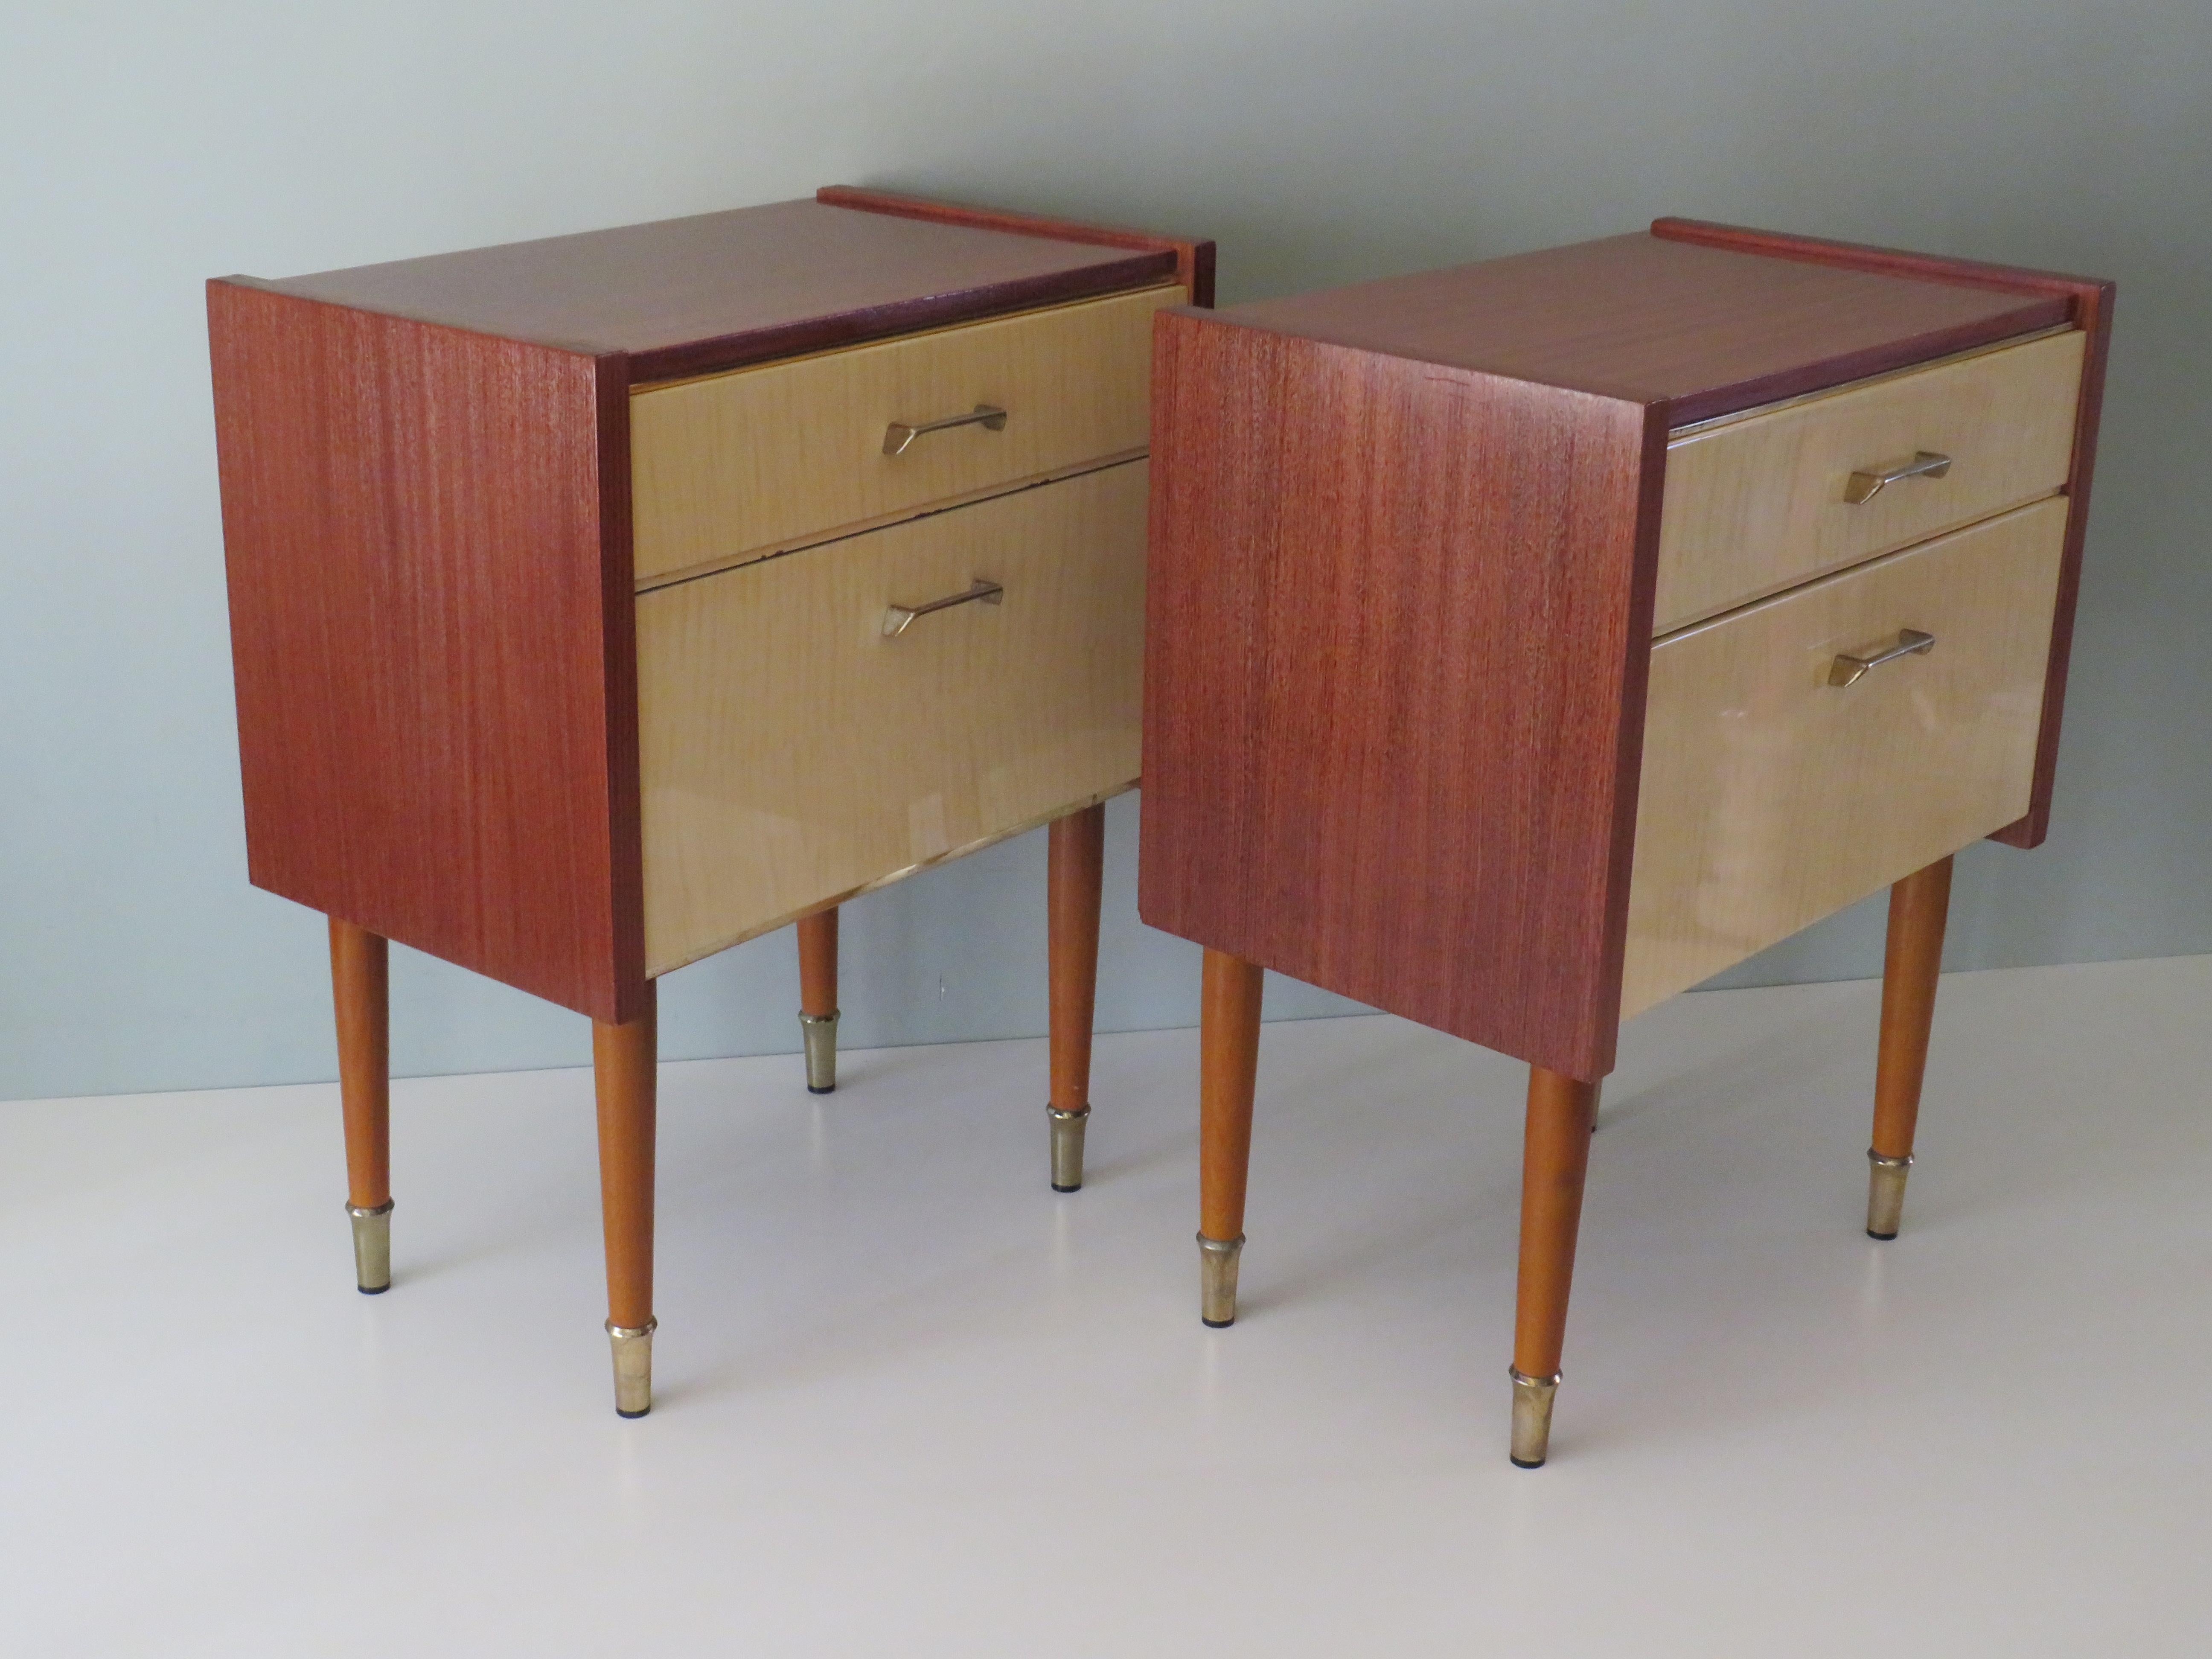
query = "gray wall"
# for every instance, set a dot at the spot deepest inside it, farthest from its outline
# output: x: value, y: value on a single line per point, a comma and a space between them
x: 148, y: 147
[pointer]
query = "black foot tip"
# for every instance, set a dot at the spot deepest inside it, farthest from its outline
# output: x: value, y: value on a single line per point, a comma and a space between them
x: 374, y: 1290
x: 1885, y: 1238
x: 1216, y: 1324
x: 1057, y: 1187
x: 811, y: 1089
x: 619, y: 1412
x: 1518, y: 1464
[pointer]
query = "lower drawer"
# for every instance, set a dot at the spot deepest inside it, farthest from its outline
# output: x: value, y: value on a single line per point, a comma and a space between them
x: 792, y: 753
x: 1771, y: 797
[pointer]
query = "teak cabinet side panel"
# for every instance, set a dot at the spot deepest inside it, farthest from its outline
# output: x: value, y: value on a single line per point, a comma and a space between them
x: 427, y: 537
x: 1398, y: 619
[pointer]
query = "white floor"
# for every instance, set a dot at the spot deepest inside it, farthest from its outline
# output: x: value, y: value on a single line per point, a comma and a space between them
x: 911, y: 1402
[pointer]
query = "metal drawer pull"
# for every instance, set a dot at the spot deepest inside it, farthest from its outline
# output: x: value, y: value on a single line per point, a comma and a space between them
x: 898, y: 434
x: 899, y: 616
x: 1910, y: 643
x: 1865, y: 486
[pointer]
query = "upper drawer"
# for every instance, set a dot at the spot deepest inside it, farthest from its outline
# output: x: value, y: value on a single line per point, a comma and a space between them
x: 1760, y: 503
x: 740, y: 465
x: 1772, y: 796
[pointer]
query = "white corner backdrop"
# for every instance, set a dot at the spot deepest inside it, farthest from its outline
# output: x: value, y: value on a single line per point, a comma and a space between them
x: 149, y: 146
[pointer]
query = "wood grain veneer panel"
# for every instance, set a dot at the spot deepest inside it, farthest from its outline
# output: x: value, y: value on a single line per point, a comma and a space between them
x: 689, y: 296
x: 1758, y: 505
x: 2086, y: 302
x: 426, y: 539
x: 1704, y: 330
x: 792, y: 755
x: 746, y: 464
x: 1397, y: 623
x: 1193, y: 257
x: 1771, y: 798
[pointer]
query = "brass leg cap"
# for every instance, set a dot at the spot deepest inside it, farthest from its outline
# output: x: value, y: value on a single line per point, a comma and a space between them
x: 372, y: 1247
x: 1067, y: 1129
x: 1886, y: 1193
x: 1217, y: 1279
x: 819, y: 1034
x: 1532, y: 1418
x: 633, y: 1349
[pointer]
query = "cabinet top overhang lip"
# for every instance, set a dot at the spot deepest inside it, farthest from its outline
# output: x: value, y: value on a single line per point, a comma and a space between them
x: 720, y: 290
x: 1648, y: 319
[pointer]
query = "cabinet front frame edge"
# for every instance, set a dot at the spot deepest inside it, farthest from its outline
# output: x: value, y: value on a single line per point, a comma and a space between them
x: 618, y: 610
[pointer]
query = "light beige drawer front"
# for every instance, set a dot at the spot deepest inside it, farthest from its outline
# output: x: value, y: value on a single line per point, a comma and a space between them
x: 1771, y: 797
x: 792, y: 755
x: 742, y: 465
x: 1758, y: 505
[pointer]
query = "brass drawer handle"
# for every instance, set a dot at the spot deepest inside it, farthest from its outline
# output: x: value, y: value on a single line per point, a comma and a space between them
x: 1865, y: 486
x: 897, y: 619
x: 899, y: 434
x: 1910, y: 643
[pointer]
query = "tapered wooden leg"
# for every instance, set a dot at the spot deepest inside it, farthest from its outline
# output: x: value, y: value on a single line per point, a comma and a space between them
x: 1073, y: 867
x: 359, y: 990
x: 1554, y: 1158
x: 624, y: 1061
x: 1228, y: 1062
x: 1918, y: 907
x: 818, y: 998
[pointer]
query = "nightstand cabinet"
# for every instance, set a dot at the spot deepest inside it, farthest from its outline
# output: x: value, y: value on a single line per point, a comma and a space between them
x: 1530, y: 642
x: 602, y: 602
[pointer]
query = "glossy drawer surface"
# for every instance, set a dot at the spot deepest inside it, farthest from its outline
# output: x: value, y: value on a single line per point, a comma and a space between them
x: 792, y: 753
x: 1771, y: 797
x: 1756, y: 504
x: 737, y: 466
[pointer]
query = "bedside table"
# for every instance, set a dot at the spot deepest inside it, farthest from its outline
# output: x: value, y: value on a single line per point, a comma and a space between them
x: 1530, y: 642
x: 600, y: 603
